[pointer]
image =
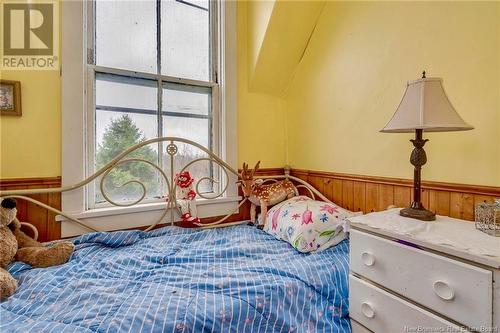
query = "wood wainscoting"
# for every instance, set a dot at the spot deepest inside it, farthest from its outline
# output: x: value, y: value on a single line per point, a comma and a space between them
x: 43, y: 220
x: 371, y: 193
x: 353, y: 192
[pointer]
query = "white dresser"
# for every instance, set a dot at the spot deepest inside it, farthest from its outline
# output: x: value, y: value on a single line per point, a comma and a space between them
x: 413, y: 276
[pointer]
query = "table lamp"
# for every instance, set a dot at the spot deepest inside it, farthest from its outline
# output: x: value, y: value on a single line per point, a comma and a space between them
x: 424, y: 107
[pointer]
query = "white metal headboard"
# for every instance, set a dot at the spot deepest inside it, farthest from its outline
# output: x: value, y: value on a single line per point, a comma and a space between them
x: 170, y: 199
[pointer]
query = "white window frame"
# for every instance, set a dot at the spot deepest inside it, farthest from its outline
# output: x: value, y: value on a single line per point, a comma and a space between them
x: 92, y: 70
x: 76, y: 83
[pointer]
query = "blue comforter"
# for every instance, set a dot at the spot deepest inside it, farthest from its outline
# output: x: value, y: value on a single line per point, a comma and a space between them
x: 235, y: 279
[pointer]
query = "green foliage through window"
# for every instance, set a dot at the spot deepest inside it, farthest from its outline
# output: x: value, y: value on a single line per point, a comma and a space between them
x: 120, y: 135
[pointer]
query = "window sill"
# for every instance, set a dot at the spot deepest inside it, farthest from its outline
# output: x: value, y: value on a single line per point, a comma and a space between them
x: 119, y: 218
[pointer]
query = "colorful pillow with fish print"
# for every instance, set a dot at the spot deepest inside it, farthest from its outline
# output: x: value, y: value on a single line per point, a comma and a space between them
x: 308, y: 225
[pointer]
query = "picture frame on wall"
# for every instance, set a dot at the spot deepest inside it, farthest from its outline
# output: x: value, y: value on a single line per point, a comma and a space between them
x: 10, y: 98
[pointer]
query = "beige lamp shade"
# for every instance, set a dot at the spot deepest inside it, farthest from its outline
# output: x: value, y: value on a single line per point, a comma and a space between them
x: 425, y: 106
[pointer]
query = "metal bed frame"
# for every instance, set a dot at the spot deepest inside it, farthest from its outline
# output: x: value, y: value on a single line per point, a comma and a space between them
x: 170, y: 200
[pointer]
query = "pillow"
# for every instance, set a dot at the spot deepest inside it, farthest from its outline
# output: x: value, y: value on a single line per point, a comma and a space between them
x: 308, y: 225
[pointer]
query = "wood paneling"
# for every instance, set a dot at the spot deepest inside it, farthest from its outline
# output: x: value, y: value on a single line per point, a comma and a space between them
x: 372, y: 197
x: 359, y: 196
x: 462, y: 205
x: 439, y: 202
x: 386, y: 196
x: 337, y: 190
x: 327, y: 188
x: 371, y: 193
x: 49, y: 229
x: 402, y: 195
x: 44, y: 221
x: 317, y: 182
x: 348, y: 194
x: 357, y: 193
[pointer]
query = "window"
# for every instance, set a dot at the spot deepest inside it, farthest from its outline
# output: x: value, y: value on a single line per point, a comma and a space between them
x: 153, y: 67
x: 142, y: 84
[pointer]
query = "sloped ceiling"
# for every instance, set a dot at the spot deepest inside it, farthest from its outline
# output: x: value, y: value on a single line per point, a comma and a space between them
x: 279, y: 32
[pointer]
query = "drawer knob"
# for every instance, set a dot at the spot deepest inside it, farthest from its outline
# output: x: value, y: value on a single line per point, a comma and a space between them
x: 368, y: 258
x: 367, y: 310
x: 443, y: 290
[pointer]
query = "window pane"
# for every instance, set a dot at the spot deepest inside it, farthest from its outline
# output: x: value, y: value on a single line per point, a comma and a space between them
x: 186, y: 99
x: 126, y: 92
x: 125, y: 116
x: 115, y: 132
x: 198, y: 131
x: 185, y: 39
x: 125, y: 35
x: 193, y: 129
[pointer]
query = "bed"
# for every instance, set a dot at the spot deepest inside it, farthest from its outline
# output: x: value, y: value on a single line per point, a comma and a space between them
x: 234, y: 279
x: 228, y: 278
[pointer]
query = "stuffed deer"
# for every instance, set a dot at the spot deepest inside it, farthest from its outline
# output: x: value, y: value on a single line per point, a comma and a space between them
x: 264, y: 195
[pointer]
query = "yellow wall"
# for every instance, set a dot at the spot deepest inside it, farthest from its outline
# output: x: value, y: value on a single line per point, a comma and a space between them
x: 289, y: 27
x: 256, y: 15
x: 346, y: 86
x: 30, y: 146
x: 353, y: 75
x: 261, y: 120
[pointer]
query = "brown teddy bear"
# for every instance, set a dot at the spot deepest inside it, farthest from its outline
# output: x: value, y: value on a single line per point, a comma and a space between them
x: 15, y: 244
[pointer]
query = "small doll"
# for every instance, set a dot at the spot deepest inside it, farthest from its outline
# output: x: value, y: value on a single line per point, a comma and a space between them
x: 185, y: 197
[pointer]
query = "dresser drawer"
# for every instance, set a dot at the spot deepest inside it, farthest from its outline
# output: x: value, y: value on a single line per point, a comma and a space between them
x: 358, y: 328
x: 382, y: 312
x: 459, y: 291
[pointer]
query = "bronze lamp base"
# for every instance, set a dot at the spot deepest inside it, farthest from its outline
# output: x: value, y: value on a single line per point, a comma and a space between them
x: 417, y: 159
x: 419, y: 214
